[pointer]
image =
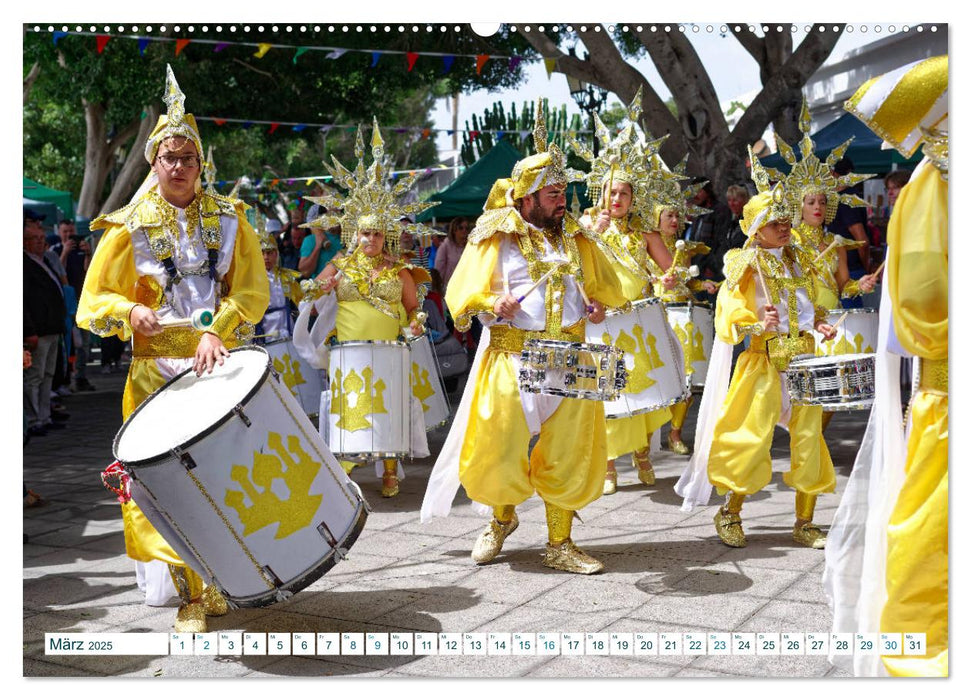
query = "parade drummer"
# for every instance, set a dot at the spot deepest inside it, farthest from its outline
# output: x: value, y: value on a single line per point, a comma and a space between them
x: 670, y: 258
x: 621, y: 173
x: 377, y: 292
x: 174, y: 250
x: 523, y: 234
x: 815, y: 192
x: 898, y: 528
x: 277, y: 322
x: 769, y: 294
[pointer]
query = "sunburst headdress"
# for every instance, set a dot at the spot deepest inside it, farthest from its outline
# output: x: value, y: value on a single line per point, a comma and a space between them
x: 813, y: 176
x: 770, y: 204
x: 625, y: 158
x: 267, y: 240
x: 175, y: 122
x: 544, y: 168
x: 371, y: 203
x: 666, y: 193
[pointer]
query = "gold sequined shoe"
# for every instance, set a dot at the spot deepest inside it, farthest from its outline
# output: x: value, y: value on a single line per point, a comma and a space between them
x: 490, y: 541
x: 809, y: 535
x: 678, y: 447
x: 645, y: 470
x: 191, y: 618
x: 389, y: 485
x: 566, y: 556
x: 213, y: 602
x: 729, y: 528
x: 610, y: 482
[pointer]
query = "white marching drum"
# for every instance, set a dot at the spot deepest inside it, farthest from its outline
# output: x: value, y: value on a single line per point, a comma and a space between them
x: 369, y: 416
x: 299, y: 376
x: 857, y: 334
x: 652, y: 354
x: 694, y: 324
x: 840, y: 383
x: 233, y: 475
x: 426, y: 383
x: 572, y: 370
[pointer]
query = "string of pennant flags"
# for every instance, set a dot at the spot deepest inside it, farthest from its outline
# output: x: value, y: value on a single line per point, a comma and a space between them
x: 308, y: 180
x: 332, y: 52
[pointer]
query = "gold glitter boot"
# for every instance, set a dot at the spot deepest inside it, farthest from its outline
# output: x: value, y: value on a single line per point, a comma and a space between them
x: 610, y: 481
x: 678, y: 412
x: 191, y: 617
x: 645, y: 470
x: 489, y: 543
x: 213, y: 602
x: 389, y: 482
x: 728, y: 522
x: 805, y: 532
x: 561, y: 553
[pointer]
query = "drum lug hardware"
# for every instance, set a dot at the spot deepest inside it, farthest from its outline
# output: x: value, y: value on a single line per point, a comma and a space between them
x: 339, y: 552
x: 272, y: 576
x: 184, y: 457
x: 238, y: 410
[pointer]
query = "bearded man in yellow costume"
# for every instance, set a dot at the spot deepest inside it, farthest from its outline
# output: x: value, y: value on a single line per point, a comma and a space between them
x: 622, y: 173
x: 172, y: 251
x: 524, y: 233
x: 887, y: 564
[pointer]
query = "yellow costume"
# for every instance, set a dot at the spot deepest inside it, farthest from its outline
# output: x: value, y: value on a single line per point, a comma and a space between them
x: 173, y: 261
x: 284, y: 284
x: 567, y: 464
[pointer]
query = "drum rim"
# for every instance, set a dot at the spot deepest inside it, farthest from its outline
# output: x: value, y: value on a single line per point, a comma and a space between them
x: 539, y: 343
x: 814, y: 361
x: 348, y: 343
x: 861, y: 310
x: 198, y: 436
x: 649, y: 409
x: 835, y: 406
x: 688, y: 304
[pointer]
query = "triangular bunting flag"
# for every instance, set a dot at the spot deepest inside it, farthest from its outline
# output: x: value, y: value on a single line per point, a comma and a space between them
x: 412, y: 57
x: 514, y: 61
x: 375, y: 55
x: 274, y: 182
x: 247, y: 125
x: 425, y: 133
x: 447, y: 61
x: 181, y: 44
x: 336, y: 53
x: 57, y: 36
x: 101, y: 41
x: 142, y: 45
x: 500, y: 134
x: 219, y: 122
x: 299, y: 127
x: 220, y: 46
x: 274, y: 126
x: 550, y: 64
x: 261, y: 51
x: 480, y: 61
x: 300, y: 51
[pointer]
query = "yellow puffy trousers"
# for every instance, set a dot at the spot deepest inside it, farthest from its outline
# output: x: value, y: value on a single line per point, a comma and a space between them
x: 739, y: 460
x: 567, y: 465
x: 626, y: 435
x: 917, y: 544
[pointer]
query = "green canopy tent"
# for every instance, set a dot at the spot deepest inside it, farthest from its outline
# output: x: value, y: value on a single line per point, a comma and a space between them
x: 467, y: 195
x: 865, y: 151
x: 37, y: 192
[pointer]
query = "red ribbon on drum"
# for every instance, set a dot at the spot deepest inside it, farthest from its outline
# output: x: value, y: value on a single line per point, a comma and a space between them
x: 117, y: 470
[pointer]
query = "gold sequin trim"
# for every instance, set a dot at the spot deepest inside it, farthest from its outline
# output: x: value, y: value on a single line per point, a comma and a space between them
x: 504, y: 338
x: 934, y: 375
x: 106, y: 326
x: 172, y: 342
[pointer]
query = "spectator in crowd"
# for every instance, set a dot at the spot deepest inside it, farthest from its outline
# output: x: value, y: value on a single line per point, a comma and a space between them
x: 44, y: 315
x: 416, y: 253
x: 451, y: 249
x: 851, y: 222
x: 319, y: 247
x: 437, y: 241
x: 894, y: 182
x: 712, y: 264
x: 74, y: 252
x: 289, y: 250
x: 713, y: 225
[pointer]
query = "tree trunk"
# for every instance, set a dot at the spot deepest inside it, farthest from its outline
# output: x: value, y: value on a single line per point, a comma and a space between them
x: 99, y: 153
x: 31, y: 79
x: 135, y: 167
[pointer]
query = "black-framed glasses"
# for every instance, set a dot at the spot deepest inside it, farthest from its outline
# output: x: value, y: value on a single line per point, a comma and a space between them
x: 170, y: 161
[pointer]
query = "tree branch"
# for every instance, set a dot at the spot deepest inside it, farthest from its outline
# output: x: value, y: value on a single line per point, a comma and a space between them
x: 255, y: 70
x: 31, y: 79
x: 749, y: 41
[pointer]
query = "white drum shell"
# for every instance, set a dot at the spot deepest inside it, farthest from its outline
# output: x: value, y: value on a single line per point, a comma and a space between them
x: 702, y: 318
x: 426, y: 383
x: 303, y: 380
x: 840, y: 383
x: 385, y: 431
x: 261, y: 510
x: 652, y: 354
x: 856, y: 335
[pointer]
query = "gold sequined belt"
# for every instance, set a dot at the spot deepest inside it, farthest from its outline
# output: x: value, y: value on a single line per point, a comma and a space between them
x: 171, y: 342
x: 781, y: 349
x: 503, y: 338
x: 933, y: 376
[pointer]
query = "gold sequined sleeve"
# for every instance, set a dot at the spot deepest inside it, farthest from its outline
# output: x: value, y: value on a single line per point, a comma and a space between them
x: 248, y: 292
x: 735, y: 315
x: 599, y: 279
x: 469, y: 289
x: 108, y: 295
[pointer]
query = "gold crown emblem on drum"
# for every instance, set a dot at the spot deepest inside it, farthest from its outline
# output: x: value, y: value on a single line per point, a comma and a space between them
x: 355, y: 397
x: 813, y: 176
x: 372, y: 203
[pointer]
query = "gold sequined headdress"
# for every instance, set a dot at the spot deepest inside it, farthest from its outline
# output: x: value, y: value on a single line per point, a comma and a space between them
x: 813, y: 176
x: 666, y: 193
x: 908, y: 106
x: 175, y: 122
x: 625, y: 158
x: 770, y: 204
x: 267, y: 240
x: 371, y: 203
x: 545, y: 167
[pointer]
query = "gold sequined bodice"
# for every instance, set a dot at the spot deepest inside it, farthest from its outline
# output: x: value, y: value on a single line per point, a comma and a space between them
x: 816, y: 240
x: 360, y: 281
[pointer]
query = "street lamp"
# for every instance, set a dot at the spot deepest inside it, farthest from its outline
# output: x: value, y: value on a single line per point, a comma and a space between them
x: 589, y: 98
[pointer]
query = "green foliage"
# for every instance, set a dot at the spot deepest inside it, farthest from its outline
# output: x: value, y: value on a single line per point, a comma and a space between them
x: 512, y: 125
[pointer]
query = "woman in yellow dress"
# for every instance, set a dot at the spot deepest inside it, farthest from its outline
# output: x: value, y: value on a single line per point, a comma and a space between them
x: 670, y: 258
x: 377, y: 293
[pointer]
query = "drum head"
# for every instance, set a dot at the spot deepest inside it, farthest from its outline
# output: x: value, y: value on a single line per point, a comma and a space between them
x: 187, y: 406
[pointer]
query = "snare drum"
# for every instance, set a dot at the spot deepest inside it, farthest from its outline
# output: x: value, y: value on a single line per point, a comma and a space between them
x: 652, y: 355
x: 694, y: 324
x: 856, y: 335
x: 303, y: 380
x: 233, y: 475
x: 426, y: 383
x: 370, y: 400
x: 840, y: 383
x: 572, y: 370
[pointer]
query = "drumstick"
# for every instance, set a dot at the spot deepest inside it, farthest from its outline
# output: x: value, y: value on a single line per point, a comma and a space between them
x: 505, y: 282
x: 829, y: 248
x: 877, y: 271
x: 200, y: 320
x: 537, y: 283
x: 586, y: 299
x: 271, y: 334
x: 765, y: 289
x: 610, y: 184
x: 840, y: 320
